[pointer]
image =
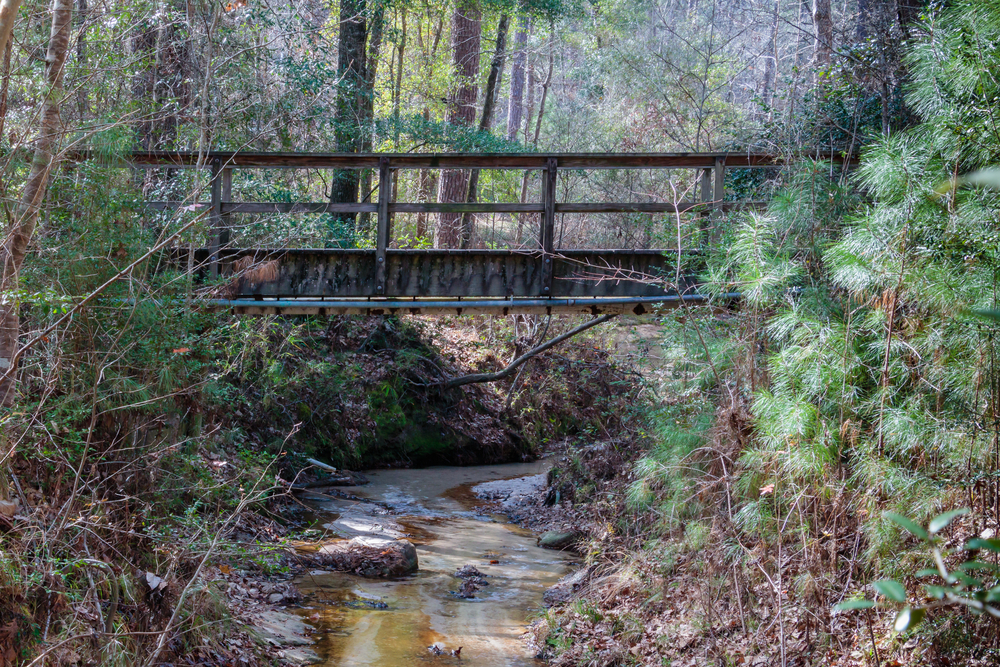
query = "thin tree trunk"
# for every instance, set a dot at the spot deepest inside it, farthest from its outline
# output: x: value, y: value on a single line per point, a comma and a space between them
x: 771, y: 65
x: 530, y: 109
x: 465, y: 39
x: 545, y: 89
x: 22, y: 229
x: 8, y: 14
x: 866, y: 14
x: 81, y: 56
x: 515, y: 108
x: 368, y: 100
x: 349, y: 110
x: 538, y: 129
x: 823, y: 22
x: 493, y: 82
x: 426, y: 184
x: 398, y: 91
x: 801, y: 54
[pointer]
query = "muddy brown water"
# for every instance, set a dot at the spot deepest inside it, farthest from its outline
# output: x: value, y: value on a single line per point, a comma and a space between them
x: 394, y: 622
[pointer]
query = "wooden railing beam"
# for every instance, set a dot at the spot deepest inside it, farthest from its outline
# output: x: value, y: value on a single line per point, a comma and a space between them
x: 242, y: 160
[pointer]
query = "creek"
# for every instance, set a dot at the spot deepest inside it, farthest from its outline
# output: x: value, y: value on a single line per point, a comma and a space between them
x: 392, y: 622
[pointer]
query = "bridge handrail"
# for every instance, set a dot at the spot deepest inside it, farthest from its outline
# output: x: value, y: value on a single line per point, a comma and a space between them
x: 712, y: 167
x: 251, y: 159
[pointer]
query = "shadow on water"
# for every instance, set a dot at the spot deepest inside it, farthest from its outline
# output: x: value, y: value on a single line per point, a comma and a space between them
x: 393, y: 622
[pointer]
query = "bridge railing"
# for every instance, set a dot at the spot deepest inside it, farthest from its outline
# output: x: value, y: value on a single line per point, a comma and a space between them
x: 401, y: 276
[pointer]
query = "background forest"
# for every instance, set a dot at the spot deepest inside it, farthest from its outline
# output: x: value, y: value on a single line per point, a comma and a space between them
x: 754, y: 469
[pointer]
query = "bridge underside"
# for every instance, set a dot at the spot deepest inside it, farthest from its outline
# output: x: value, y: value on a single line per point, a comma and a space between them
x: 333, y: 281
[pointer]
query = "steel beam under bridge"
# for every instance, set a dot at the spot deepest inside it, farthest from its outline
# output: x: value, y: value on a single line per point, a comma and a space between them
x: 334, y: 273
x: 328, y: 281
x: 586, y: 306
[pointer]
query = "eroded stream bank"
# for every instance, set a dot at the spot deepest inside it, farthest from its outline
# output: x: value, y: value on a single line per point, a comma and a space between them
x: 361, y: 621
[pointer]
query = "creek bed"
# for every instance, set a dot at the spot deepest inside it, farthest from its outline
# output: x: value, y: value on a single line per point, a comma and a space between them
x: 382, y: 622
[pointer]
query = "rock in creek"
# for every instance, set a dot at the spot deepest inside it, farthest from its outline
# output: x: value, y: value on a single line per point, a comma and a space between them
x: 370, y: 556
x: 467, y: 571
x: 556, y: 540
x: 473, y: 581
x: 565, y: 588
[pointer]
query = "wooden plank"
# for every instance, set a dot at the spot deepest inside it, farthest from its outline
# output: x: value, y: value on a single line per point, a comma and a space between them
x: 466, y: 160
x: 382, y: 228
x: 719, y: 188
x: 215, y: 217
x: 476, y: 207
x: 548, y: 230
x: 226, y: 196
x: 325, y: 207
x: 298, y: 207
x: 623, y: 207
x: 333, y: 273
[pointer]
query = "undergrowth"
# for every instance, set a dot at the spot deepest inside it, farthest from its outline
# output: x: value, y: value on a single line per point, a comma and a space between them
x: 852, y: 381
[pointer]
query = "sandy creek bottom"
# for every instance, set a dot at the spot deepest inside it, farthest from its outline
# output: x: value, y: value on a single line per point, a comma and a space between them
x: 434, y: 509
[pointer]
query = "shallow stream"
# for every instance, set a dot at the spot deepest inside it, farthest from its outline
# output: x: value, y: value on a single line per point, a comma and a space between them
x: 395, y: 622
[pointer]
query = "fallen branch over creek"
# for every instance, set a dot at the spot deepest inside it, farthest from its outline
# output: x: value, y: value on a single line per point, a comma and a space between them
x: 514, y: 365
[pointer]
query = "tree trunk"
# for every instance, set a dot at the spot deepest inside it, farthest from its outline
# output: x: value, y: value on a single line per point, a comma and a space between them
x: 368, y: 100
x: 515, y: 109
x: 426, y: 184
x: 8, y: 14
x: 349, y: 111
x: 530, y: 110
x: 81, y: 57
x: 801, y: 54
x: 493, y: 82
x: 398, y: 90
x: 771, y: 65
x: 823, y: 22
x: 538, y: 128
x: 23, y: 228
x: 866, y: 15
x: 465, y: 38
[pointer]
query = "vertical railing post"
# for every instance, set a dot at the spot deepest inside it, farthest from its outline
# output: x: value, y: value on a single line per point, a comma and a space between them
x: 706, y: 190
x: 227, y: 198
x: 215, y: 221
x: 382, y: 228
x: 548, y: 228
x: 719, y: 192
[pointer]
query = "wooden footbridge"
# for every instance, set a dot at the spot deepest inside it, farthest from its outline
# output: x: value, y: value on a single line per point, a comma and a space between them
x: 384, y: 279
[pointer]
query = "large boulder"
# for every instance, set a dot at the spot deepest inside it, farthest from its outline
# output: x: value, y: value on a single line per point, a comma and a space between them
x: 370, y: 556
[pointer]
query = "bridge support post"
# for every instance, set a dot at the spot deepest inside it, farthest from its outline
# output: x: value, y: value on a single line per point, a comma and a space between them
x: 719, y: 192
x: 215, y: 218
x: 547, y: 231
x: 224, y: 217
x: 382, y: 226
x: 705, y: 196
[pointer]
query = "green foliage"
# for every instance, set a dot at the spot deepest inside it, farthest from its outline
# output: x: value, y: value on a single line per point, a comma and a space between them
x: 979, y: 594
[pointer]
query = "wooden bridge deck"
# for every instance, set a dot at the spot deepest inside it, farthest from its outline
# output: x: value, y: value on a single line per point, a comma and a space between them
x: 385, y: 279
